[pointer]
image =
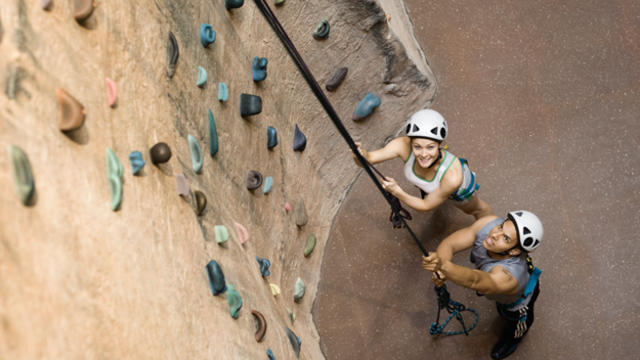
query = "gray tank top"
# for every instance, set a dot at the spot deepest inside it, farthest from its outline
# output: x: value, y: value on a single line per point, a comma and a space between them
x: 516, y: 266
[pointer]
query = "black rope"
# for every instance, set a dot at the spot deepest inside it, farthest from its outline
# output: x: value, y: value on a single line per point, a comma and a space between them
x: 398, y: 215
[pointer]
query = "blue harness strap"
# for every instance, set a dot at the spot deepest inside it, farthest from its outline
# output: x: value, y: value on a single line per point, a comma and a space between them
x: 463, y: 194
x: 531, y: 285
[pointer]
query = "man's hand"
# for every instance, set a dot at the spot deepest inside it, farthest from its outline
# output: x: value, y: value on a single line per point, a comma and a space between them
x: 438, y: 278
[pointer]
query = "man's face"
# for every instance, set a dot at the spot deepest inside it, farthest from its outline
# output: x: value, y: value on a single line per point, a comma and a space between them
x: 501, y: 237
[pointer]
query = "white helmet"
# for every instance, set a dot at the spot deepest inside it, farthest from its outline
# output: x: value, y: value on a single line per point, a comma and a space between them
x: 529, y: 229
x: 427, y: 123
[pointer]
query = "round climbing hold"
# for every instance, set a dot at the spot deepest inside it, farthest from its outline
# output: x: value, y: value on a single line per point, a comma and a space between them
x: 201, y: 201
x: 264, y: 265
x: 336, y: 79
x: 213, y: 135
x: 82, y: 9
x: 268, y: 183
x: 202, y: 77
x: 222, y: 234
x: 253, y: 180
x: 322, y: 30
x: 295, y: 341
x: 275, y: 289
x: 196, y: 153
x: 250, y: 105
x: 301, y: 214
x: 22, y: 175
x: 112, y: 92
x: 261, y: 325
x: 259, y: 69
x: 216, y: 278
x: 181, y: 185
x: 173, y: 53
x: 299, y: 140
x: 298, y: 290
x: 272, y: 137
x: 207, y: 35
x: 235, y: 301
x: 223, y: 92
x: 160, y: 153
x: 242, y: 233
x: 71, y: 111
x: 233, y: 4
x: 310, y: 245
x: 365, y: 107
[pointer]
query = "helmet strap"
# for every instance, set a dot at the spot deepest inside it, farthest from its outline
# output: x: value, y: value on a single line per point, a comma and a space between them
x: 436, y: 160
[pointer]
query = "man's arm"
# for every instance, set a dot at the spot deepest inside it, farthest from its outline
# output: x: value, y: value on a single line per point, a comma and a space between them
x: 496, y: 281
x: 461, y: 239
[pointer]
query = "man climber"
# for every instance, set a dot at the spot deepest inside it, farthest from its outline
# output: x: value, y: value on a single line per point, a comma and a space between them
x: 504, y: 272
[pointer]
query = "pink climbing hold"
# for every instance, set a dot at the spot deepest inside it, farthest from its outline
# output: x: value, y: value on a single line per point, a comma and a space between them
x: 112, y: 92
x: 243, y: 234
x: 287, y: 207
x: 182, y: 186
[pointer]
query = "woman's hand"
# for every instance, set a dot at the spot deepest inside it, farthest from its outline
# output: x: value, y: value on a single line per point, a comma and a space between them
x: 362, y: 152
x: 433, y: 262
x: 391, y: 186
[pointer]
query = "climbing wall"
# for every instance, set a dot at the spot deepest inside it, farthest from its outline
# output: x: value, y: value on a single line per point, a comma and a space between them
x: 97, y: 262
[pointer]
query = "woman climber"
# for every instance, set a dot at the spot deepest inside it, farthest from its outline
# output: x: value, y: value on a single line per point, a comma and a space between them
x: 425, y: 158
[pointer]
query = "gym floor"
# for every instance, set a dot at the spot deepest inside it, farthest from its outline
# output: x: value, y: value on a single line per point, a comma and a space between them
x: 542, y: 99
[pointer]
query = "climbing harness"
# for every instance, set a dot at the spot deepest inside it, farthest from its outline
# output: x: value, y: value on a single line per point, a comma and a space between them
x: 398, y: 214
x: 454, y: 309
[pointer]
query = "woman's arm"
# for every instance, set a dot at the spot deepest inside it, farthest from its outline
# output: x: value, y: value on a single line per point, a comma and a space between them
x: 398, y: 147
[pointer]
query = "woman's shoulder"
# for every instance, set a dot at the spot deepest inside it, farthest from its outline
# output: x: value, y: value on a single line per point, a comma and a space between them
x: 453, y: 173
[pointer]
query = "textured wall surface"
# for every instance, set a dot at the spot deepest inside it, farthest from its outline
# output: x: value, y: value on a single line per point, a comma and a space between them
x: 79, y: 280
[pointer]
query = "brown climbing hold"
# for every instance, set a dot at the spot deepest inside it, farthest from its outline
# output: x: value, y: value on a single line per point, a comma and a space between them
x: 253, y: 180
x: 301, y: 214
x: 201, y: 201
x: 82, y: 9
x: 45, y: 4
x: 261, y: 325
x: 71, y: 111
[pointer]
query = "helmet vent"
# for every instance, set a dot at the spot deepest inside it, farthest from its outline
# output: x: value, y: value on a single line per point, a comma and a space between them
x: 408, y: 128
x: 519, y: 213
x: 443, y: 133
x: 528, y: 241
x: 526, y: 230
x: 536, y: 243
x: 434, y: 131
x: 415, y: 128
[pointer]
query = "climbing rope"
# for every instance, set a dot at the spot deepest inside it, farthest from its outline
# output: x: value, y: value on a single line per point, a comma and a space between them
x: 454, y: 309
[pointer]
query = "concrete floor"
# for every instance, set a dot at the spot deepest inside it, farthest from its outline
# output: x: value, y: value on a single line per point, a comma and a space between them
x: 542, y: 99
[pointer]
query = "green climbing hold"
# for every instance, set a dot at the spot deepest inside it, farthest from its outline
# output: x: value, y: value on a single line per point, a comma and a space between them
x: 298, y: 290
x: 196, y: 153
x: 222, y: 234
x: 278, y: 2
x: 322, y: 30
x: 268, y: 183
x: 22, y: 174
x: 310, y: 245
x: 292, y: 316
x: 114, y: 176
x: 213, y: 135
x: 235, y: 301
x: 202, y: 76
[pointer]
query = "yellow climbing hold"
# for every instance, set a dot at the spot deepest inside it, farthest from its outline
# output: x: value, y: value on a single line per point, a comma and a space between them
x: 275, y: 289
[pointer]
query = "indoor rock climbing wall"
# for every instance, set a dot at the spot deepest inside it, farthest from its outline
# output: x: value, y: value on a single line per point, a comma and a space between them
x: 97, y: 262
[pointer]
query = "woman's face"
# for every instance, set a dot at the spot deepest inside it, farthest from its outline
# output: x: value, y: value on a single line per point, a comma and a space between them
x: 501, y: 237
x: 425, y: 150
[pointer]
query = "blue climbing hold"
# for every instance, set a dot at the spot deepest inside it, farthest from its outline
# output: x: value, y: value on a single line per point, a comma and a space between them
x: 202, y: 76
x: 216, y: 278
x: 268, y: 182
x: 272, y: 137
x: 366, y: 106
x: 270, y: 355
x: 213, y: 135
x: 295, y: 341
x: 196, y: 153
x: 259, y: 69
x: 223, y: 92
x: 264, y: 266
x: 137, y: 162
x: 207, y: 35
x: 299, y: 140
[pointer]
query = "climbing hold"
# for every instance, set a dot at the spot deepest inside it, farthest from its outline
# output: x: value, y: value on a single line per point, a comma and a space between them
x: 253, y: 180
x: 182, y: 185
x: 268, y: 182
x: 261, y: 325
x: 287, y: 207
x: 264, y: 266
x: 71, y: 111
x: 22, y: 174
x: 207, y: 35
x: 196, y: 153
x: 223, y: 92
x: 272, y: 137
x: 301, y: 214
x: 201, y: 201
x: 366, y: 106
x: 45, y: 4
x: 298, y: 290
x: 278, y: 2
x: 310, y: 245
x: 202, y: 77
x: 295, y: 341
x: 137, y: 162
x: 114, y: 176
x: 172, y: 55
x: 242, y: 233
x: 213, y: 135
x: 269, y: 352
x: 216, y: 278
x: 222, y: 234
x: 250, y: 105
x: 259, y: 69
x: 322, y: 30
x: 112, y: 92
x: 336, y: 79
x: 233, y: 4
x: 292, y: 316
x: 82, y: 9
x: 235, y: 301
x: 275, y: 289
x: 299, y: 140
x: 160, y: 153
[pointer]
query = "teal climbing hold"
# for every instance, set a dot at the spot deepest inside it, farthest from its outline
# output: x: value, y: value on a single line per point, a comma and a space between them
x: 182, y: 186
x: 222, y: 234
x: 223, y: 92
x: 233, y: 4
x: 269, y: 352
x: 322, y: 30
x: 216, y: 278
x: 235, y: 301
x: 268, y: 182
x: 22, y: 174
x: 114, y: 177
x: 298, y: 290
x: 299, y: 140
x: 202, y: 76
x: 310, y: 245
x: 113, y: 164
x: 259, y: 69
x: 366, y: 106
x: 137, y: 162
x: 272, y: 137
x: 196, y: 153
x: 264, y: 265
x: 207, y: 35
x: 213, y: 135
x: 295, y: 341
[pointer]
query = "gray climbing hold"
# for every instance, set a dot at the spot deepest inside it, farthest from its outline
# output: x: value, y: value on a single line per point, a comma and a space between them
x: 213, y: 135
x: 253, y: 180
x: 292, y: 316
x: 22, y: 174
x: 298, y: 290
x: 137, y: 162
x: 202, y: 77
x: 250, y: 105
x: 222, y: 234
x: 201, y: 201
x: 72, y: 112
x: 268, y: 182
x: 223, y: 92
x: 160, y: 153
x: 322, y: 30
x: 196, y: 153
x: 264, y: 266
x: 299, y: 140
x: 269, y: 352
x: 181, y: 185
x: 114, y: 177
x: 336, y: 79
x: 278, y: 2
x: 233, y: 4
x: 235, y: 301
x: 366, y: 106
x: 310, y: 245
x: 216, y: 278
x: 207, y: 35
x: 82, y: 9
x: 301, y: 214
x: 295, y: 341
x: 259, y: 69
x: 272, y: 137
x: 173, y: 53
